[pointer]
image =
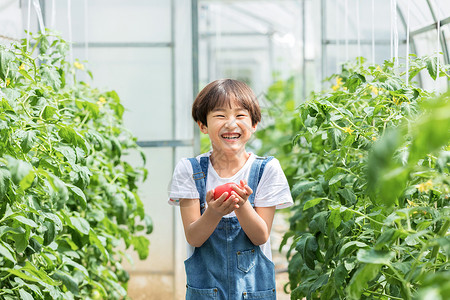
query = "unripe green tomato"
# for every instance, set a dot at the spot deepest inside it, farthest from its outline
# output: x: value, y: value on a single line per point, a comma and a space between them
x: 96, y: 295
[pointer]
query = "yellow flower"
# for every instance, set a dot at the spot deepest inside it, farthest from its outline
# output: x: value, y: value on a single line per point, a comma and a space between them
x: 78, y: 65
x: 101, y: 101
x: 395, y: 100
x: 424, y: 187
x: 338, y: 84
x: 349, y: 130
x: 8, y: 81
x: 374, y: 89
x: 374, y: 138
x: 22, y: 67
x: 411, y: 203
x: 379, y: 69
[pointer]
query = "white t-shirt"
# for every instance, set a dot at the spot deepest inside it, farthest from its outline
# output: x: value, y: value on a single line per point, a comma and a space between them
x: 272, y: 190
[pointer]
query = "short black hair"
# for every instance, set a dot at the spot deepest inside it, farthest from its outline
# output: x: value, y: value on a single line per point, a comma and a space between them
x: 219, y: 93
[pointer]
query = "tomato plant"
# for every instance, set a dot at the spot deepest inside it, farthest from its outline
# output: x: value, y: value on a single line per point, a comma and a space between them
x: 68, y: 197
x: 369, y: 168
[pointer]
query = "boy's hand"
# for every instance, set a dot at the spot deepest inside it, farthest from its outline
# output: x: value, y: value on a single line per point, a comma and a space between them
x: 220, y: 206
x: 242, y: 192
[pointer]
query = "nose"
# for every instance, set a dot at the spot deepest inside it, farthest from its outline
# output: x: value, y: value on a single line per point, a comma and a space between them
x: 231, y: 122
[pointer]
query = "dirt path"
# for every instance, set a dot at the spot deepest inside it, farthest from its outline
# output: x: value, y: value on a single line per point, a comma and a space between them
x: 279, y: 227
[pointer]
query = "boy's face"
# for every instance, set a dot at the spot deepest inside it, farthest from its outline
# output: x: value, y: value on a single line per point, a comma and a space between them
x: 229, y: 128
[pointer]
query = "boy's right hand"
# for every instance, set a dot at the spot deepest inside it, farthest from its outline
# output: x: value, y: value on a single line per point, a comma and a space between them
x: 220, y: 206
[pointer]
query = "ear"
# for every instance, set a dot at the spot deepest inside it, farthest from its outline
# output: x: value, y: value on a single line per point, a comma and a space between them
x: 203, y: 128
x: 254, y: 127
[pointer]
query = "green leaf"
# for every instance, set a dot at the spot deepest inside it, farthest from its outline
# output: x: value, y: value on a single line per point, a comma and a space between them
x: 79, y: 195
x: 336, y: 178
x: 372, y: 256
x: 319, y: 282
x: 70, y: 262
x: 48, y: 112
x: 59, y: 186
x: 432, y: 67
x: 340, y: 275
x: 6, y: 57
x: 148, y: 223
x: 21, y: 240
x: 70, y: 282
x: 141, y: 245
x: 27, y: 181
x: 360, y: 280
x: 431, y: 132
x: 68, y: 153
x: 25, y: 221
x: 41, y: 274
x: 387, y: 237
x: 27, y: 142
x: 7, y: 229
x: 311, y: 203
x: 95, y: 240
x: 348, y: 195
x: 50, y: 232
x: 80, y: 224
x: 349, y: 247
x: 26, y: 75
x: 335, y: 218
x: 51, y: 77
x: 22, y: 275
x: 301, y: 187
x: 5, y: 177
x: 24, y: 295
x: 72, y: 137
x: 18, y: 168
x: 307, y: 246
x: 6, y: 253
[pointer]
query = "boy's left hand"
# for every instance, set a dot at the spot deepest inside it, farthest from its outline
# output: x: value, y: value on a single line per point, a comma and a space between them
x: 242, y: 192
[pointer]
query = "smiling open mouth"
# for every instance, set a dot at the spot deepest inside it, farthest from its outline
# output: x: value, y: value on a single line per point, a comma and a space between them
x: 231, y: 136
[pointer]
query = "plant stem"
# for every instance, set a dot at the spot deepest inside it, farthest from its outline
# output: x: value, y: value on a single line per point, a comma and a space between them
x: 405, y: 283
x: 355, y: 211
x: 441, y: 233
x: 381, y: 294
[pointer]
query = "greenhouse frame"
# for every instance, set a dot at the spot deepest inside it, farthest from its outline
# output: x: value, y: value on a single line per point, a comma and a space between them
x: 158, y: 54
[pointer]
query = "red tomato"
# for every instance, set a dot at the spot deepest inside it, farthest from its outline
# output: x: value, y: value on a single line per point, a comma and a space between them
x: 227, y: 187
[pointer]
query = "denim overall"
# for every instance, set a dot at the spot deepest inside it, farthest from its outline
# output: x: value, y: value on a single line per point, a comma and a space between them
x: 228, y: 265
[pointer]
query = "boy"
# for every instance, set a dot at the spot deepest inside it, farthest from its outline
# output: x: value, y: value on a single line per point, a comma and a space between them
x: 229, y: 255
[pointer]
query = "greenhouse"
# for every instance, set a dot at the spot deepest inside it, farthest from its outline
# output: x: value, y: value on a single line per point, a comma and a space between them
x: 96, y: 117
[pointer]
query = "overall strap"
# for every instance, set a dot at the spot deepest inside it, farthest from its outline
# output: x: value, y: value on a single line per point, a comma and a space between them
x: 255, y: 175
x: 200, y: 173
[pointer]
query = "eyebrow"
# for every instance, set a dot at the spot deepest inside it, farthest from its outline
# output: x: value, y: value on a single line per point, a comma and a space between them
x: 223, y: 109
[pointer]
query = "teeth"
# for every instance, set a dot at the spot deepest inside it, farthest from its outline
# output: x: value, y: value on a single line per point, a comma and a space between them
x: 231, y: 137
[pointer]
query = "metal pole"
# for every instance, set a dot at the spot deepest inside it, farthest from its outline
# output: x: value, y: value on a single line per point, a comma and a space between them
x: 174, y: 123
x: 304, y: 51
x: 195, y: 76
x: 412, y: 43
x: 323, y: 37
x: 443, y: 42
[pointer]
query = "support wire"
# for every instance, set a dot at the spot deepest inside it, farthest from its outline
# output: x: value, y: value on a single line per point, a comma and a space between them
x: 373, y: 32
x: 407, y: 43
